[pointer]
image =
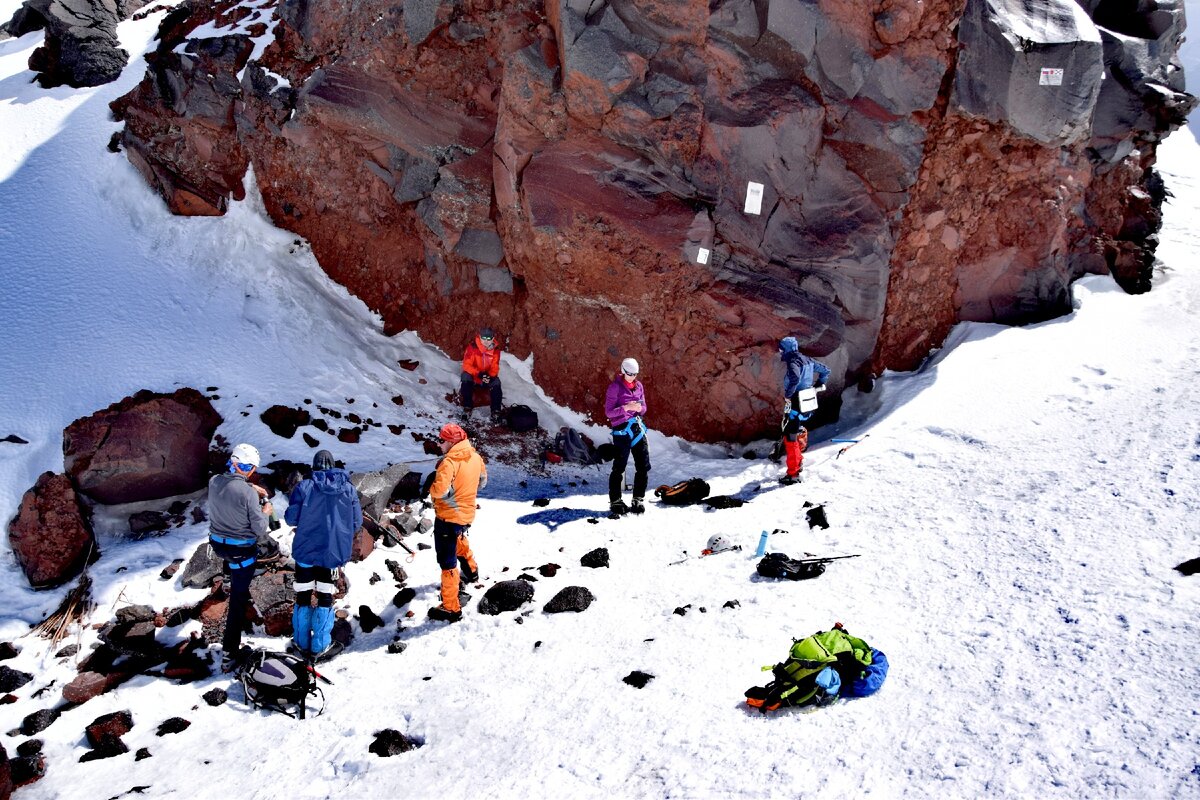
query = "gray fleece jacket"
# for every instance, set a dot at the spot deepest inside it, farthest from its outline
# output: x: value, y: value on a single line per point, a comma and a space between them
x: 233, y: 509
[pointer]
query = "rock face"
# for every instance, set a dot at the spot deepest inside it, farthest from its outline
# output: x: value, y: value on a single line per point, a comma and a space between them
x: 686, y: 182
x: 81, y: 46
x: 145, y: 447
x: 51, y: 536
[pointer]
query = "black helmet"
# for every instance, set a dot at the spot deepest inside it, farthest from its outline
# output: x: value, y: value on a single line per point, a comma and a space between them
x: 323, y: 460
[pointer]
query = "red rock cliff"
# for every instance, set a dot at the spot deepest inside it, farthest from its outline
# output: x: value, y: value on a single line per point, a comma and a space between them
x: 575, y: 174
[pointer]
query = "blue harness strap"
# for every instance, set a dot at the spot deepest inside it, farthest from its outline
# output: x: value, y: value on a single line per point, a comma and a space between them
x: 627, y: 430
x: 236, y: 542
x: 249, y: 562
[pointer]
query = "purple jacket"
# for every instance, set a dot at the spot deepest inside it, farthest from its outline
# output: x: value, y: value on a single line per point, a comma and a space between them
x: 619, y: 393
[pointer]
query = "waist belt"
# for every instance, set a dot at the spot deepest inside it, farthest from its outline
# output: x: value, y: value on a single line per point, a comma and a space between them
x: 231, y: 540
x: 627, y: 430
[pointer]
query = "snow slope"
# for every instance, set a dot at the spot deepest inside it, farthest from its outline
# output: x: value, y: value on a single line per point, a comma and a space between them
x: 1019, y: 504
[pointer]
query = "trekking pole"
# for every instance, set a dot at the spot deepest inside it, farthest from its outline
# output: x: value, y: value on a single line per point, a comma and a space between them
x: 826, y: 559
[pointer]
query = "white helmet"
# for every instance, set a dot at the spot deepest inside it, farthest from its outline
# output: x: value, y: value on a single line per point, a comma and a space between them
x: 246, y: 454
x: 718, y: 542
x: 630, y: 367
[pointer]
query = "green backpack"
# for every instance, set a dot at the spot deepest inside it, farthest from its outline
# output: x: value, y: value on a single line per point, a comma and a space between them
x: 799, y: 680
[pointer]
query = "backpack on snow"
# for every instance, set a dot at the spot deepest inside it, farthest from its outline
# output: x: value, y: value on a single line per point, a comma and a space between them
x: 683, y: 493
x: 280, y: 682
x: 573, y: 446
x: 521, y: 418
x: 819, y: 669
x: 778, y: 565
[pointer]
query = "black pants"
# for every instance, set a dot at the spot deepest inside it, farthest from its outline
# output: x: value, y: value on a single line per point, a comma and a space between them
x: 468, y: 388
x: 240, y: 575
x: 641, y: 467
x: 321, y: 581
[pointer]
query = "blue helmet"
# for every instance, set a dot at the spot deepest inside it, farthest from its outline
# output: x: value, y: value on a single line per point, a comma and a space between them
x: 788, y: 344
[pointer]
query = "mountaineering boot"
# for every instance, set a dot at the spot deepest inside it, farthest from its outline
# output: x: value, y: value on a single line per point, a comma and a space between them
x: 469, y: 574
x: 322, y: 628
x: 789, y: 480
x: 617, y: 509
x: 232, y: 662
x: 329, y: 652
x: 302, y: 626
x: 497, y: 417
x: 442, y: 615
x: 638, y: 506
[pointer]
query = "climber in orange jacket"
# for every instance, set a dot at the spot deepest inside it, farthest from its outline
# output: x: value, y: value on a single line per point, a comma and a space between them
x: 460, y: 475
x: 481, y: 367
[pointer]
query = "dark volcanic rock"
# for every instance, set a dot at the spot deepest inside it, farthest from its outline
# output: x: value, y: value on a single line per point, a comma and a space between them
x: 29, y: 747
x: 173, y: 725
x: 8, y: 650
x: 116, y: 725
x: 572, y: 598
x: 596, y: 558
x: 38, y: 721
x: 202, y: 568
x: 375, y: 489
x: 638, y: 679
x: 284, y: 421
x: 81, y: 46
x: 368, y: 620
x: 389, y: 742
x: 506, y: 596
x: 51, y: 536
x: 107, y: 747
x: 25, y: 770
x: 6, y: 784
x: 144, y: 523
x: 404, y: 597
x: 145, y: 447
x: 11, y: 679
x: 215, y: 697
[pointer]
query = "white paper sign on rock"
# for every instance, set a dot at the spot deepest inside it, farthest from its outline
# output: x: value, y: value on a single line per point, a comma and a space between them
x: 754, y: 198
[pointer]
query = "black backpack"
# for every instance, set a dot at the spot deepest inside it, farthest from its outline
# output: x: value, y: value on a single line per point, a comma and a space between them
x: 778, y: 565
x: 280, y: 682
x: 683, y: 493
x: 522, y: 418
x: 573, y: 446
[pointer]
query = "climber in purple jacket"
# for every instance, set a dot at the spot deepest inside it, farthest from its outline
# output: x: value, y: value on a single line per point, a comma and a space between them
x: 624, y: 405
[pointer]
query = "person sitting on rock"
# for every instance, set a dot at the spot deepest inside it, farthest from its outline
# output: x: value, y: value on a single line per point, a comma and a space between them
x: 238, y: 512
x: 460, y: 475
x: 624, y: 405
x: 800, y: 373
x: 325, y: 512
x: 481, y: 367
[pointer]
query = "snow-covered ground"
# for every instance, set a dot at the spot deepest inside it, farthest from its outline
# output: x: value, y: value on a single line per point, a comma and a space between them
x: 1018, y: 505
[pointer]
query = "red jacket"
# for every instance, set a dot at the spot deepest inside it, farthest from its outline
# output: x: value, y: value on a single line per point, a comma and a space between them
x: 478, y: 359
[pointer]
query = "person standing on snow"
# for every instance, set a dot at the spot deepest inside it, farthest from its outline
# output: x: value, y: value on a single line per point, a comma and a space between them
x: 624, y: 405
x: 237, y: 521
x: 460, y: 475
x: 325, y: 512
x: 481, y: 367
x: 801, y: 374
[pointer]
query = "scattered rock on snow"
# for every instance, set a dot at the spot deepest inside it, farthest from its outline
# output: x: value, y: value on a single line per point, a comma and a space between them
x: 571, y: 598
x: 284, y: 421
x: 11, y: 679
x: 143, y: 752
x: 169, y: 571
x: 116, y: 724
x: 397, y: 571
x: 107, y: 747
x: 548, y: 570
x: 8, y: 650
x: 506, y: 596
x: 68, y: 651
x: 368, y: 620
x: 389, y: 742
x: 29, y: 747
x: 146, y: 523
x: 638, y: 679
x: 172, y: 725
x: 215, y: 697
x: 404, y: 597
x: 202, y: 568
x: 395, y: 648
x: 595, y: 559
x: 38, y: 721
x: 25, y: 770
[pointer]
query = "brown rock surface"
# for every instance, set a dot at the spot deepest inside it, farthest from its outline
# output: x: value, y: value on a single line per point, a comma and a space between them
x: 554, y: 170
x: 145, y: 447
x: 51, y: 536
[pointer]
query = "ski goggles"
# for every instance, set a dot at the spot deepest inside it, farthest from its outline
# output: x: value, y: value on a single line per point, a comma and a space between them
x: 629, y: 374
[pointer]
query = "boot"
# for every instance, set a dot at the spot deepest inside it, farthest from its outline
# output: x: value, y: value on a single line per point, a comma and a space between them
x: 617, y: 509
x: 638, y: 506
x: 468, y: 573
x: 442, y: 615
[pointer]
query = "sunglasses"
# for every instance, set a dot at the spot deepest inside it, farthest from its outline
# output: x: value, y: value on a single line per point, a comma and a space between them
x: 246, y: 468
x: 629, y: 374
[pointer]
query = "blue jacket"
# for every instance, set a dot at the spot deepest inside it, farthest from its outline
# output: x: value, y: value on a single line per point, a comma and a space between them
x: 325, y: 512
x: 801, y: 372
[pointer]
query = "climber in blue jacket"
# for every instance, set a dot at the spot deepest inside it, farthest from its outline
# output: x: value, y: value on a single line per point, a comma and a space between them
x: 326, y: 513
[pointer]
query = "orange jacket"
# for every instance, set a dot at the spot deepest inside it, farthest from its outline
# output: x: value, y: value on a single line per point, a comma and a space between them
x: 460, y: 475
x: 478, y: 359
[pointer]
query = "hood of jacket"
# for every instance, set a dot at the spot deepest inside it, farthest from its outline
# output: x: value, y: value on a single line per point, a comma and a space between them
x: 461, y: 451
x: 331, y: 481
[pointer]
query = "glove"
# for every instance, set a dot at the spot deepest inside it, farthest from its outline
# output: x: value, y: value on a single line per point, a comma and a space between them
x: 787, y: 407
x: 485, y: 379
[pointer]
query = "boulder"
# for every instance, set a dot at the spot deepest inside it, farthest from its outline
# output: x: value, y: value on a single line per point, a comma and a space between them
x: 107, y: 747
x: 389, y: 742
x: 571, y: 598
x: 145, y: 447
x: 25, y: 770
x: 506, y: 596
x: 595, y: 559
x: 38, y: 721
x: 202, y: 568
x: 284, y: 421
x: 362, y: 546
x: 11, y: 679
x: 147, y: 523
x: 81, y: 46
x: 375, y: 489
x: 8, y: 650
x: 51, y: 535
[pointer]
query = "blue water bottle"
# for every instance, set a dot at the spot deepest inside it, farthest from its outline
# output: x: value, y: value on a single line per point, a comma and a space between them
x: 762, y: 544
